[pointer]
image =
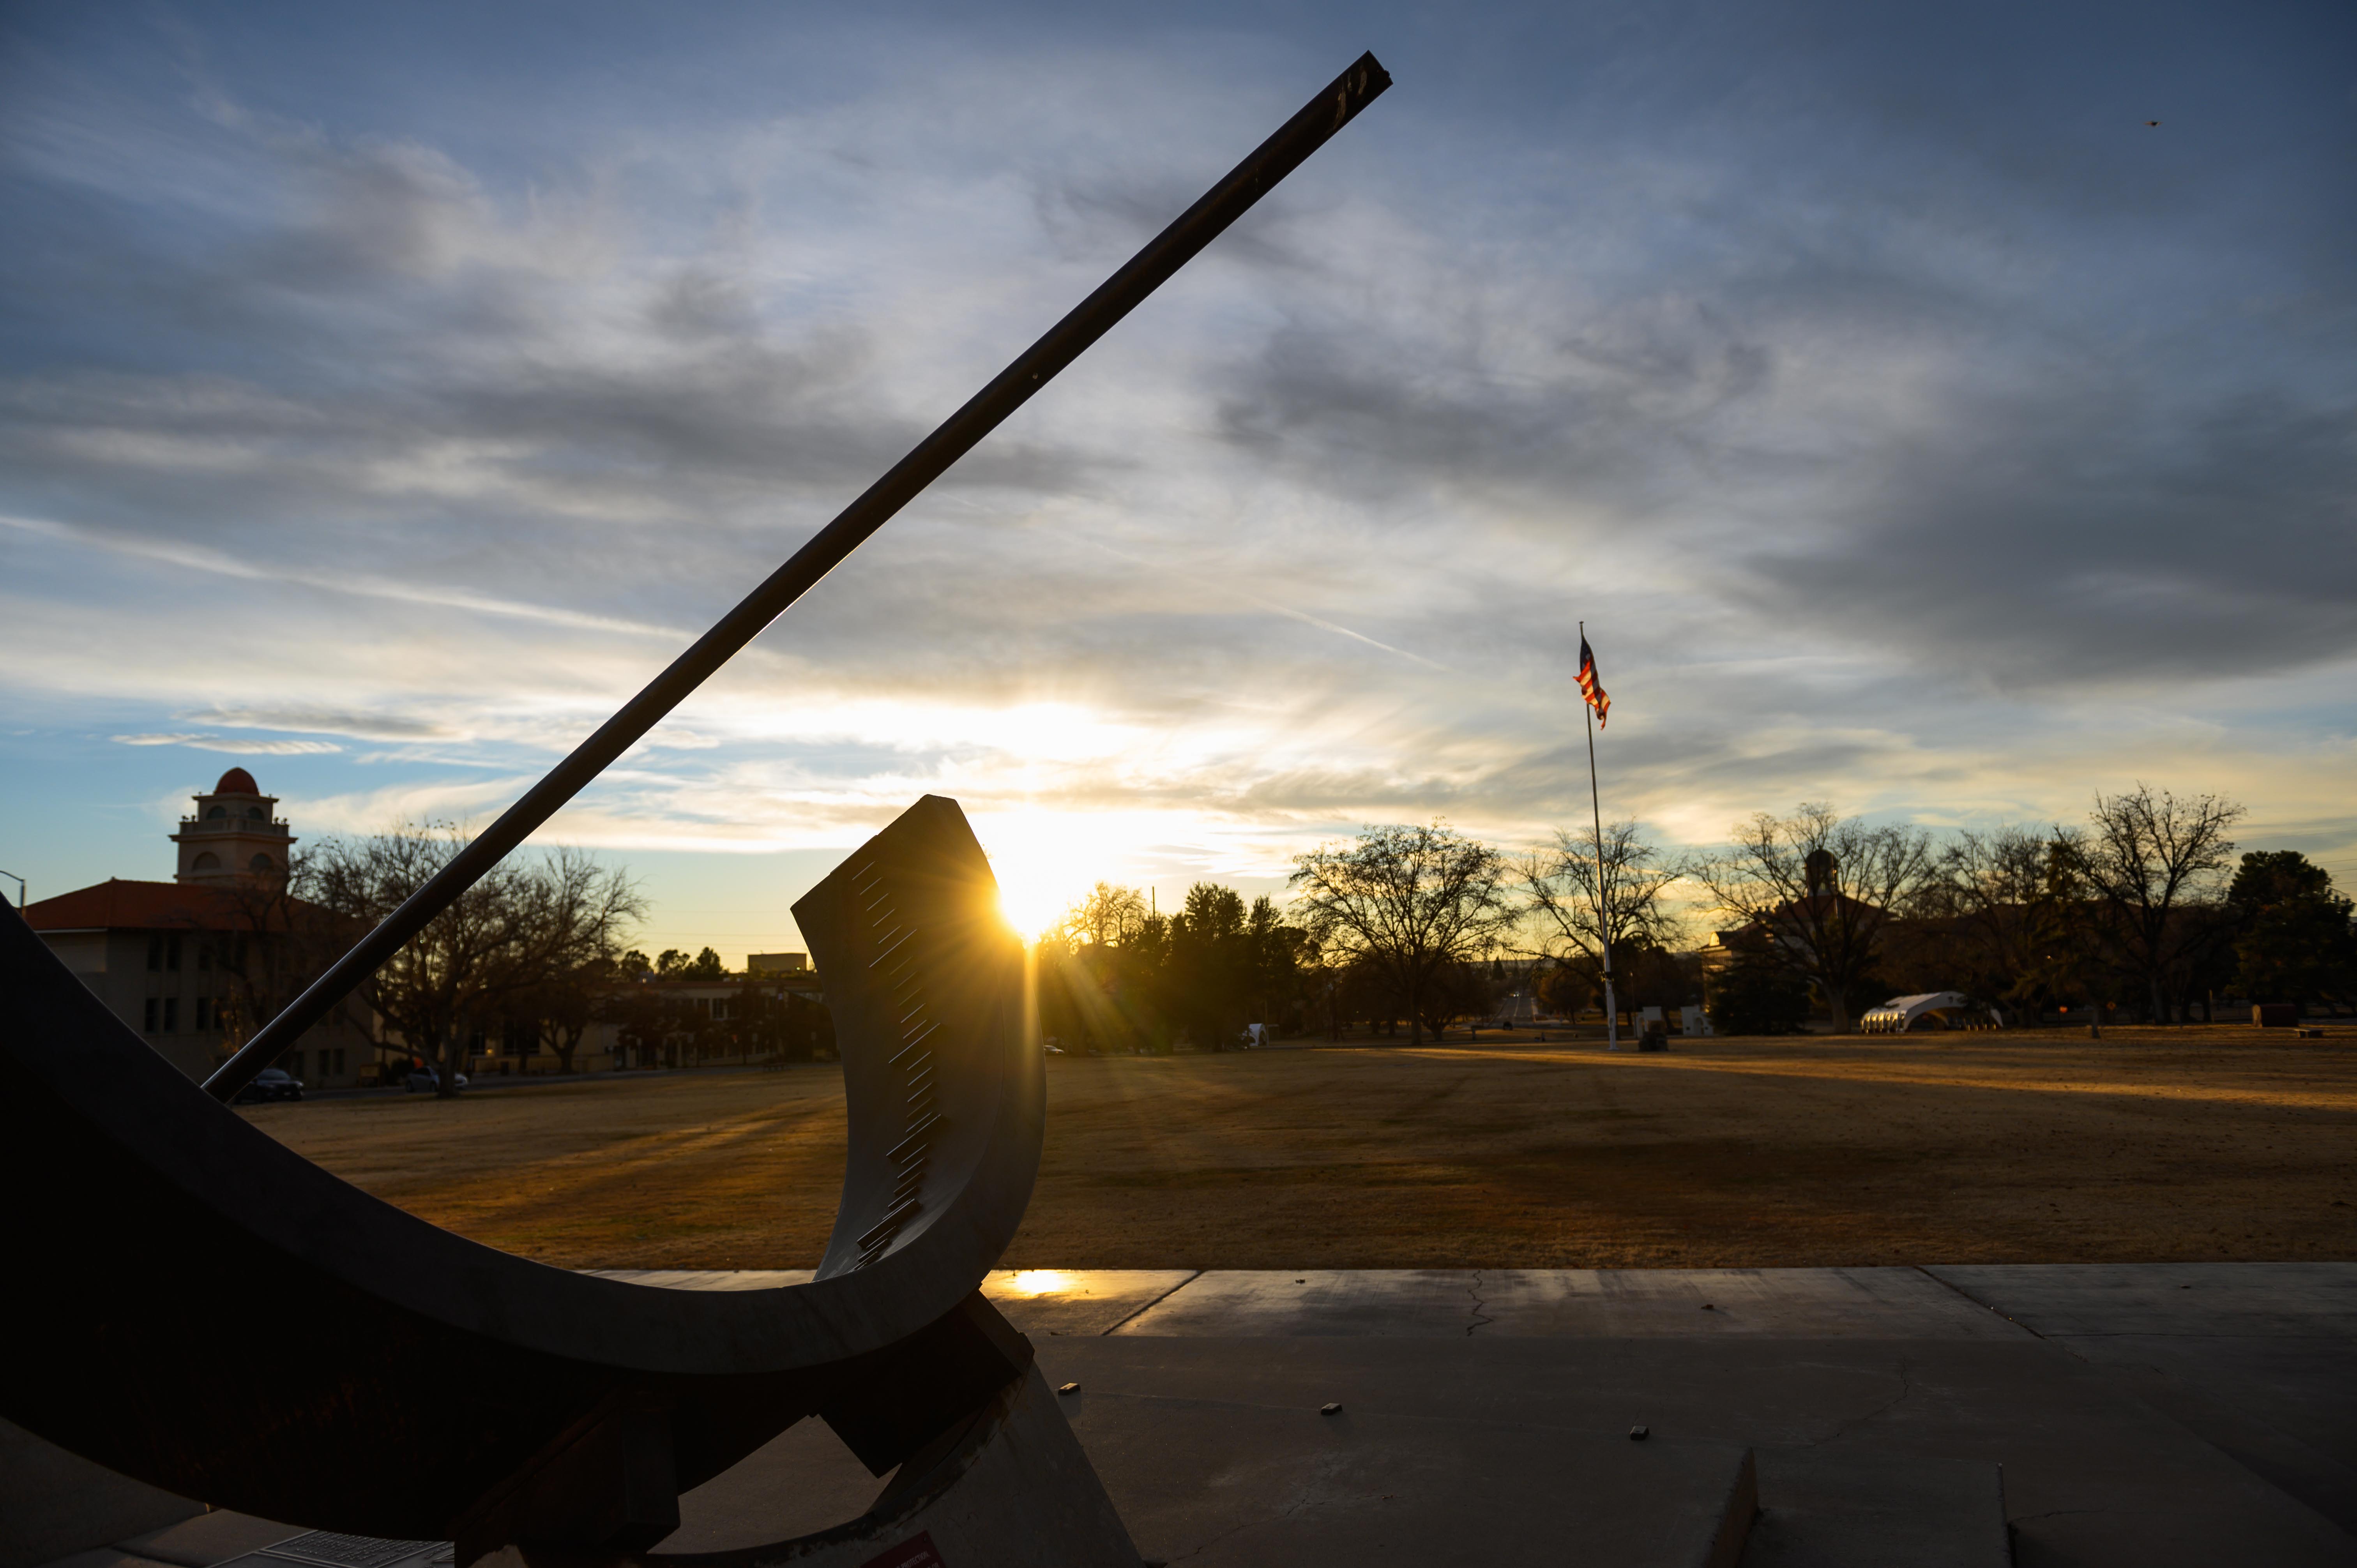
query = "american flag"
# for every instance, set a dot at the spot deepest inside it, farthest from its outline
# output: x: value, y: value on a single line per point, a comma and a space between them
x: 1590, y: 688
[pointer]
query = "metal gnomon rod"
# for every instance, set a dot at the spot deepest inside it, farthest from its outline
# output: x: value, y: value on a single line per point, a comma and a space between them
x: 1226, y: 201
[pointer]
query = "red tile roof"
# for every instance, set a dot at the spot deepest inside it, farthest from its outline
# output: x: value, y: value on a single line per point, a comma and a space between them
x: 117, y: 905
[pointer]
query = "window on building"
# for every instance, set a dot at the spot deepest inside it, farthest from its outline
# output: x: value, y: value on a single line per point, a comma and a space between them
x: 204, y: 1012
x: 172, y: 954
x: 147, y: 1021
x: 339, y: 1061
x: 256, y: 814
x: 207, y: 861
x: 171, y: 1014
x: 217, y: 814
x: 294, y: 1060
x: 259, y: 862
x: 156, y: 952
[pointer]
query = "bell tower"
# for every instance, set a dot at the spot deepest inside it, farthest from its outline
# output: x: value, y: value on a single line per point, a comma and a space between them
x: 234, y: 833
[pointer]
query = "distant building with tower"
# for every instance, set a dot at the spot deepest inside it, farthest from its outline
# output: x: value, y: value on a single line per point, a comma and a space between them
x: 186, y: 963
x: 235, y: 833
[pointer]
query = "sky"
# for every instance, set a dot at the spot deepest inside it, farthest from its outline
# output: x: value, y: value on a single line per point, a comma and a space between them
x: 387, y: 392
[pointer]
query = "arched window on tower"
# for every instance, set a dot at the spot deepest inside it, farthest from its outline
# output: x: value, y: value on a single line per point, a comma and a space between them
x: 259, y: 862
x: 255, y: 813
x: 217, y: 814
x: 207, y: 861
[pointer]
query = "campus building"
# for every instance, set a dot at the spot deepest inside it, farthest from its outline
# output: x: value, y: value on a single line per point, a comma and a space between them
x: 182, y: 962
x: 235, y: 833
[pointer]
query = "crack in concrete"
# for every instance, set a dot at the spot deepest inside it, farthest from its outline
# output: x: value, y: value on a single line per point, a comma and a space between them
x: 1953, y: 1288
x: 1480, y: 1318
x: 1150, y: 1305
x: 1302, y: 1501
x: 1906, y: 1389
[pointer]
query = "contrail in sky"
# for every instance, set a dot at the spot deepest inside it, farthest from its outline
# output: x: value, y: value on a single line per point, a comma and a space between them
x: 1207, y: 585
x: 197, y: 558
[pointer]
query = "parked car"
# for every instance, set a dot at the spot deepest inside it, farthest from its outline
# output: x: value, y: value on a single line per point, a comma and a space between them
x: 426, y: 1080
x: 271, y: 1083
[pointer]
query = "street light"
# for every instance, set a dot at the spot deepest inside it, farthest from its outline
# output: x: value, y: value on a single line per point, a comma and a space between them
x: 20, y: 886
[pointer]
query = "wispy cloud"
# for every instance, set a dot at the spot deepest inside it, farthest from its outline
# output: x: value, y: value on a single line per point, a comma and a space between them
x: 198, y: 558
x: 1907, y: 433
x: 242, y: 745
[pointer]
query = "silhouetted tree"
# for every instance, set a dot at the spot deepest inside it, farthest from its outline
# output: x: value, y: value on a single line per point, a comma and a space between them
x: 2295, y: 942
x: 283, y: 938
x: 1107, y: 917
x: 1756, y: 993
x: 1987, y: 898
x: 1820, y: 889
x: 1578, y: 909
x: 526, y: 922
x: 2157, y: 863
x: 1411, y: 902
x: 557, y: 1012
x: 1208, y: 972
x: 1099, y: 974
x: 1279, y: 957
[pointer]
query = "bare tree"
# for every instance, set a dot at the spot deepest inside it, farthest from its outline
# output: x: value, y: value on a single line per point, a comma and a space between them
x: 1108, y: 916
x: 278, y: 940
x: 558, y: 1010
x: 1992, y: 889
x: 522, y: 926
x: 2156, y: 861
x: 1410, y: 902
x: 1578, y: 910
x: 2071, y: 948
x: 1821, y: 888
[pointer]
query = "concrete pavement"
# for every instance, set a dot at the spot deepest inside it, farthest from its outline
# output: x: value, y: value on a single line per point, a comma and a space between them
x: 2068, y: 1415
x: 2146, y: 1413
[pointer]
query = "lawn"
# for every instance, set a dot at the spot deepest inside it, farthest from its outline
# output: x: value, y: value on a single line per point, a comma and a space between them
x: 2213, y: 1142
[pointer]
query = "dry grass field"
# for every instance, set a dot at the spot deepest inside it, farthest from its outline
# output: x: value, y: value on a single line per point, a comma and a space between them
x: 2151, y: 1144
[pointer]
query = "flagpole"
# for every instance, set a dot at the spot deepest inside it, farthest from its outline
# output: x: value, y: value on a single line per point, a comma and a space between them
x: 1603, y: 901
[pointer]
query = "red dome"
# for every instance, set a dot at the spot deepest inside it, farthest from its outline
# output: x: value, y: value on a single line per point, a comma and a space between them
x: 237, y: 781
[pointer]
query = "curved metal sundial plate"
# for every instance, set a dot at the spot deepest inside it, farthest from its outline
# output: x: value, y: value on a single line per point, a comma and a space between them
x: 212, y: 1312
x: 946, y: 1111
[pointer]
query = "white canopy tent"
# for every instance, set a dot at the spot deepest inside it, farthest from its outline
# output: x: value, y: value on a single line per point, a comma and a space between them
x: 1931, y: 1010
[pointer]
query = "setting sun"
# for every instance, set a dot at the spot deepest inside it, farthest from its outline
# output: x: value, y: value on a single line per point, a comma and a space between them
x: 1046, y: 863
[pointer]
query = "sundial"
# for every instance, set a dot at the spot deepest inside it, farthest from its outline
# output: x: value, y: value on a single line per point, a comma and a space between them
x: 218, y: 1316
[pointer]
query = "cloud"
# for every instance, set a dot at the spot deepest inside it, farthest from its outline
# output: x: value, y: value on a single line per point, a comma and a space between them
x: 242, y: 745
x: 197, y: 558
x: 2048, y: 547
x: 1905, y: 461
x: 359, y: 725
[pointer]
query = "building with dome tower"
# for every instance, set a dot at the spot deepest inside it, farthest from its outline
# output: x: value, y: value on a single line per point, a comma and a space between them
x: 235, y: 833
x: 193, y: 963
